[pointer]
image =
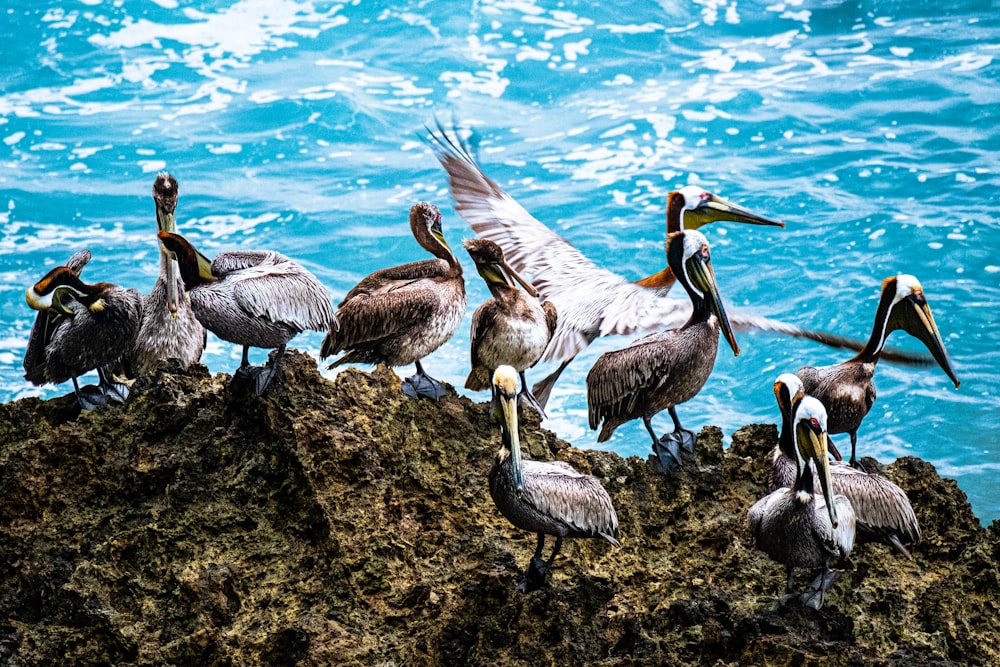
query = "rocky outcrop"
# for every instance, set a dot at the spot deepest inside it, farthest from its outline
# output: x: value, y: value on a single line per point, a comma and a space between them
x: 341, y: 523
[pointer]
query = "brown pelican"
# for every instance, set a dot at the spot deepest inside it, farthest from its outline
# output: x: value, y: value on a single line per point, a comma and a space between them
x: 169, y: 328
x: 543, y: 497
x: 80, y: 328
x: 399, y: 315
x: 794, y: 526
x: 882, y: 511
x: 666, y: 368
x: 511, y: 328
x: 592, y: 301
x: 847, y: 389
x: 251, y: 298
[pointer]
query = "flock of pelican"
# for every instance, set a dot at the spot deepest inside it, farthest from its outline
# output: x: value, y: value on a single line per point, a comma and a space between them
x: 548, y: 302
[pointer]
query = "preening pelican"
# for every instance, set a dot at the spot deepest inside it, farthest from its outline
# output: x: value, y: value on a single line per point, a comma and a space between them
x: 592, y: 301
x: 847, y: 389
x: 663, y: 369
x: 882, y: 511
x: 512, y: 328
x: 251, y: 298
x: 169, y: 328
x: 543, y: 497
x: 798, y: 528
x: 399, y: 315
x: 80, y: 328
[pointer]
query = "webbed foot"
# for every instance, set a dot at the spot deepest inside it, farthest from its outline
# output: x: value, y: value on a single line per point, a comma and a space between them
x: 116, y: 392
x: 815, y: 595
x: 91, y: 397
x: 253, y: 378
x: 673, y: 448
x: 534, y: 576
x: 527, y: 399
x: 421, y: 385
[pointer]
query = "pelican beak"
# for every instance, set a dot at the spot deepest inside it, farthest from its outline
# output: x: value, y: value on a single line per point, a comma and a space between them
x: 713, y: 208
x: 165, y: 222
x: 528, y: 287
x: 812, y: 443
x: 505, y: 388
x: 913, y: 315
x: 703, y: 278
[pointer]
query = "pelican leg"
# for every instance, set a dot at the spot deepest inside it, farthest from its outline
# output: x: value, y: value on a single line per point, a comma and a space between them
x: 525, y: 397
x: 670, y: 448
x: 542, y: 389
x: 855, y: 463
x: 815, y: 595
x: 112, y: 391
x: 534, y: 576
x: 789, y: 586
x: 421, y: 384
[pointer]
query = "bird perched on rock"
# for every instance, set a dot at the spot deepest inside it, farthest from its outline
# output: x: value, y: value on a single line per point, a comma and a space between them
x: 512, y: 328
x: 254, y: 298
x: 399, y: 315
x: 543, y: 497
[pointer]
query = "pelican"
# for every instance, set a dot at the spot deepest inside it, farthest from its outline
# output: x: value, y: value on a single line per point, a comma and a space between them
x: 251, y: 298
x: 169, y: 328
x: 399, y: 315
x: 881, y: 509
x: 543, y: 497
x: 794, y: 526
x: 511, y: 328
x: 80, y: 327
x: 592, y: 301
x: 663, y: 369
x: 847, y: 389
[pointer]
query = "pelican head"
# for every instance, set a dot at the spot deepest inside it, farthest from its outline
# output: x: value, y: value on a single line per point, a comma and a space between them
x: 196, y: 269
x: 165, y: 197
x: 494, y: 269
x: 811, y: 444
x: 689, y: 256
x: 692, y: 206
x: 505, y: 388
x: 910, y: 312
x: 52, y: 291
x: 425, y: 223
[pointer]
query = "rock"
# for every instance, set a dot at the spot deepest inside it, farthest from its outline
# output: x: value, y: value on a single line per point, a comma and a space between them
x: 341, y: 523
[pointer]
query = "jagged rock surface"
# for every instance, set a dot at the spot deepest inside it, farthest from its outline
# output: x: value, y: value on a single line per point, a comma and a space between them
x: 341, y: 523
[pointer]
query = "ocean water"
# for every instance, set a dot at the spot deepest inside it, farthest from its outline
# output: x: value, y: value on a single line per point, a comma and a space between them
x: 871, y: 127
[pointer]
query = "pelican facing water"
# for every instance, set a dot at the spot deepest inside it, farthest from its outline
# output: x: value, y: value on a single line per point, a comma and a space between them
x: 882, y: 510
x: 169, y: 328
x: 399, y: 315
x: 592, y: 301
x: 794, y: 526
x: 847, y: 389
x: 512, y: 328
x: 80, y: 328
x: 543, y: 497
x: 663, y: 369
x: 254, y: 298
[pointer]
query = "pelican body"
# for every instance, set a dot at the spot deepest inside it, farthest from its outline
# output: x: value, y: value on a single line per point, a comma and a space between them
x: 593, y: 301
x: 795, y: 526
x: 251, y: 298
x: 544, y: 497
x: 882, y: 511
x: 169, y: 328
x: 512, y: 328
x: 80, y: 327
x: 399, y: 315
x: 847, y: 389
x: 661, y: 370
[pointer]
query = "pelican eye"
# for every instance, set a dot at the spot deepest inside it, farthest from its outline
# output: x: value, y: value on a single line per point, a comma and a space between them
x: 814, y: 424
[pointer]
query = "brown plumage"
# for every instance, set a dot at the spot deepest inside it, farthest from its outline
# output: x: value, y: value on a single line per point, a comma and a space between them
x: 847, y: 389
x: 512, y: 328
x: 661, y: 370
x: 397, y: 316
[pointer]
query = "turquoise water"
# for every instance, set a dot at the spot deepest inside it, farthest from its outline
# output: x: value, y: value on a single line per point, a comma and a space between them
x: 872, y: 128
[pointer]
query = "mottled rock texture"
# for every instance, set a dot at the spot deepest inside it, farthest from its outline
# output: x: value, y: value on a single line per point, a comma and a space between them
x: 341, y: 523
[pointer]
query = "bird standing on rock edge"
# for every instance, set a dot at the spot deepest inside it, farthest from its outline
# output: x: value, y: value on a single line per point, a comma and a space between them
x: 399, y: 315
